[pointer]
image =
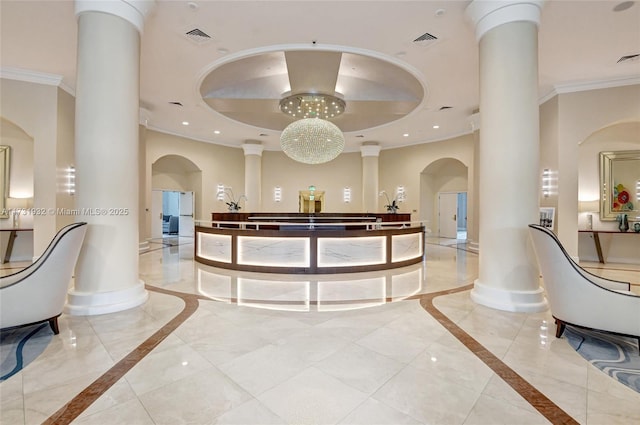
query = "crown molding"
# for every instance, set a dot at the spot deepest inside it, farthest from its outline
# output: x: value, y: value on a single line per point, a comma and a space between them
x: 30, y: 76
x: 589, y: 85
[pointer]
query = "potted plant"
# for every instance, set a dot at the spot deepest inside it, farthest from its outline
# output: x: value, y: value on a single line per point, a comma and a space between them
x: 392, y: 206
x: 233, y: 204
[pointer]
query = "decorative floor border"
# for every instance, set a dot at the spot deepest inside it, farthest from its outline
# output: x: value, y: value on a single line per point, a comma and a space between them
x: 71, y: 410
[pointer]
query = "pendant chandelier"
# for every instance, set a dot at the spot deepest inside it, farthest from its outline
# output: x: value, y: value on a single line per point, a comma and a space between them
x: 312, y: 139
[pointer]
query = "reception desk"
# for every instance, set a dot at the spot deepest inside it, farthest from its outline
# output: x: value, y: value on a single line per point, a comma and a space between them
x: 310, y: 244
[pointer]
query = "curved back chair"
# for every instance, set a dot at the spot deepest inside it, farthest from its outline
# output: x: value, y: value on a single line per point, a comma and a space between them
x: 38, y: 293
x: 579, y: 298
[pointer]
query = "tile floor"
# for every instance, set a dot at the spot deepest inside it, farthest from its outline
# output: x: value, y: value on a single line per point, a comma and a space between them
x: 212, y: 347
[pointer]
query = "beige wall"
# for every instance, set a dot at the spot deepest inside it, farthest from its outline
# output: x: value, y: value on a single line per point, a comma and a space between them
x: 331, y: 177
x: 564, y: 127
x: 217, y: 165
x: 21, y: 159
x: 34, y: 108
x: 623, y: 136
x: 573, y: 127
x: 404, y: 166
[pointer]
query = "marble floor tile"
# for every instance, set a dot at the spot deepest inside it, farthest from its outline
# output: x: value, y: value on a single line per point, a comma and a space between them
x: 373, y: 412
x: 196, y: 399
x: 345, y: 362
x: 360, y: 367
x: 263, y: 368
x: 427, y: 398
x: 312, y: 397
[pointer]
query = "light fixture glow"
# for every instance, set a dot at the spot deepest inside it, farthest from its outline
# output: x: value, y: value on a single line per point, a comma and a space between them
x: 312, y: 141
x: 185, y: 122
x: 71, y: 180
x: 312, y: 105
x: 346, y: 195
x: 277, y: 194
x: 220, y: 192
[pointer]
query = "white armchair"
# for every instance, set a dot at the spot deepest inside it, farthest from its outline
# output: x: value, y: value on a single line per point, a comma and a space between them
x: 38, y: 293
x: 580, y: 298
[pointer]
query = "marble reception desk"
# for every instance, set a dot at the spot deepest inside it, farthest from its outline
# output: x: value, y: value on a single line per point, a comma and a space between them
x: 310, y: 249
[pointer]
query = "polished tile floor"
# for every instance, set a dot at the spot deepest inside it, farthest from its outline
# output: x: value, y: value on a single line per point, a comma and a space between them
x: 212, y: 347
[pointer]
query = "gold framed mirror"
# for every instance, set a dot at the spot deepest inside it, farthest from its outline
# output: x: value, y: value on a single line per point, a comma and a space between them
x: 5, y: 152
x: 620, y: 185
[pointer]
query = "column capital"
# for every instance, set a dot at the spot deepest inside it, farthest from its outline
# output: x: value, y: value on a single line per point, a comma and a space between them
x: 132, y: 11
x: 370, y: 150
x: 488, y: 14
x: 252, y: 149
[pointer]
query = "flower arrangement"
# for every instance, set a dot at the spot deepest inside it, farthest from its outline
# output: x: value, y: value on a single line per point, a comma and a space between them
x: 392, y: 206
x: 233, y: 204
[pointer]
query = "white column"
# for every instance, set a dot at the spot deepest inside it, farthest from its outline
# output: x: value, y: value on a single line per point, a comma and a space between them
x: 253, y: 176
x: 370, y: 171
x: 509, y: 154
x: 106, y: 151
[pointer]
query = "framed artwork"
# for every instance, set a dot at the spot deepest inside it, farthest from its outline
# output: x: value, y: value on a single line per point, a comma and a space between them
x: 546, y: 217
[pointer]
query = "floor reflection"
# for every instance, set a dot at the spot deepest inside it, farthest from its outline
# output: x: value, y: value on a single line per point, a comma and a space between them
x: 446, y: 262
x: 310, y: 292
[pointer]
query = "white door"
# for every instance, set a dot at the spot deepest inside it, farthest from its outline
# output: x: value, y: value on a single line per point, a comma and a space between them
x: 447, y: 215
x: 156, y: 214
x: 186, y: 214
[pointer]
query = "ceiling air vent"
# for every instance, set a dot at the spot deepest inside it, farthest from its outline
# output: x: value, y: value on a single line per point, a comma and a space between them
x: 442, y: 108
x: 426, y: 37
x: 175, y: 103
x: 198, y: 36
x: 629, y: 58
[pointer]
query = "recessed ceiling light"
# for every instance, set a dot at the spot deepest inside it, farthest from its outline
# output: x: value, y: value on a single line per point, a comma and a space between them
x: 436, y: 126
x: 192, y: 5
x: 216, y: 131
x: 185, y: 122
x: 223, y: 51
x: 406, y: 134
x: 440, y: 12
x: 622, y: 6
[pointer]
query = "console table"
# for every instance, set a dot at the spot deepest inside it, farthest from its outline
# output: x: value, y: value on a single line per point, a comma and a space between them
x: 13, y: 234
x: 596, y: 239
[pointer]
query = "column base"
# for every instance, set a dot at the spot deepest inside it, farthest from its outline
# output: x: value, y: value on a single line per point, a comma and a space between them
x: 516, y: 301
x: 93, y: 303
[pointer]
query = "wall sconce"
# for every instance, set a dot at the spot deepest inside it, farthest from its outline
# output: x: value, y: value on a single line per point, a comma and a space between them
x: 547, y: 182
x: 71, y: 180
x: 638, y: 191
x: 277, y: 194
x: 401, y: 194
x: 346, y: 195
x: 220, y: 192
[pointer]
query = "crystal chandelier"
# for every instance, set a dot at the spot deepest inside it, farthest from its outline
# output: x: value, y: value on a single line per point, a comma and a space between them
x: 312, y: 139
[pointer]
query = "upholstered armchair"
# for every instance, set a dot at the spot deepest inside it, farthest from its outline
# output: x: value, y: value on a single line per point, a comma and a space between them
x: 579, y: 298
x: 38, y: 293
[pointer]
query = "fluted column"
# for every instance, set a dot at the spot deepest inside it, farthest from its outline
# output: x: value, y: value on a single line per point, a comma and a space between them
x: 107, y: 153
x: 253, y: 176
x: 509, y: 154
x: 370, y: 172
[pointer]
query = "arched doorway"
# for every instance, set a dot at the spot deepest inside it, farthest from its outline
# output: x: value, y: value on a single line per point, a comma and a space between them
x: 176, y: 184
x: 443, y: 189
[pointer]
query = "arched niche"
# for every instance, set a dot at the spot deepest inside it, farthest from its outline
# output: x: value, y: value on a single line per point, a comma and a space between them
x: 619, y: 136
